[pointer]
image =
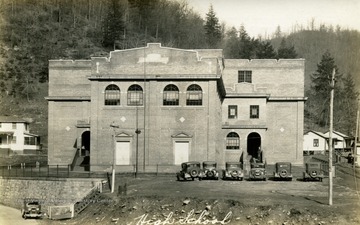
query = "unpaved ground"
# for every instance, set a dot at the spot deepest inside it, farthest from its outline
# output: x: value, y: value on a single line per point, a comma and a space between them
x: 163, y: 200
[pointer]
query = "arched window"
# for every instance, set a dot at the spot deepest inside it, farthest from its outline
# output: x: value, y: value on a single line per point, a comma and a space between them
x: 112, y: 95
x: 232, y: 141
x: 171, y: 95
x: 135, y: 95
x: 194, y: 95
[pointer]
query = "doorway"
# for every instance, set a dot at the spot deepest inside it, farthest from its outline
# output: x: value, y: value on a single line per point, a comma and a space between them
x: 181, y: 152
x: 254, y: 145
x: 122, y: 155
x: 85, y: 150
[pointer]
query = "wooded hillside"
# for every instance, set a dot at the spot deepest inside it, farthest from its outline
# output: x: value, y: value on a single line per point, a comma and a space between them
x: 33, y: 32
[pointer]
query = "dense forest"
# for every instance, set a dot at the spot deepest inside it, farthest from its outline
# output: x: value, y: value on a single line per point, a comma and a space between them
x: 35, y: 31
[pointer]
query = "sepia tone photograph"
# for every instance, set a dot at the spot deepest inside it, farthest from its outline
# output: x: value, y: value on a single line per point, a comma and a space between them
x: 158, y: 112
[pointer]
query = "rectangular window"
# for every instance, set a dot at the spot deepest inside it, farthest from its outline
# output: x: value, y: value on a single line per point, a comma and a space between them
x: 232, y: 111
x: 13, y: 141
x: 30, y: 141
x: 316, y: 143
x: 14, y: 126
x: 135, y: 98
x: 245, y: 76
x: 254, y: 112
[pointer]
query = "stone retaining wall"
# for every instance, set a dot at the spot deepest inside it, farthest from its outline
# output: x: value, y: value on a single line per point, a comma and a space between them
x: 50, y: 192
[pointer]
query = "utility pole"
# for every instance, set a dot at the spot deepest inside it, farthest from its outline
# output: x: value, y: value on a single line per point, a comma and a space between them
x: 332, y: 85
x: 356, y: 137
x: 113, y: 125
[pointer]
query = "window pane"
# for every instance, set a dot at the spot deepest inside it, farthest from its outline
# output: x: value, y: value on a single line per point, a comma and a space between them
x: 254, y: 111
x: 194, y: 95
x: 232, y: 111
x: 171, y: 95
x: 232, y: 141
x: 112, y: 95
x: 135, y: 95
x: 244, y: 76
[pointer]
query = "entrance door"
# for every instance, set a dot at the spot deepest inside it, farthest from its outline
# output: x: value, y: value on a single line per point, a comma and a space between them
x: 181, y: 152
x: 254, y: 145
x: 122, y: 153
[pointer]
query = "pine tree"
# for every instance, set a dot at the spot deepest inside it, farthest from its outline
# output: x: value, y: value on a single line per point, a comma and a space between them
x: 212, y: 29
x: 265, y: 51
x: 113, y: 24
x: 286, y: 52
x: 319, y: 98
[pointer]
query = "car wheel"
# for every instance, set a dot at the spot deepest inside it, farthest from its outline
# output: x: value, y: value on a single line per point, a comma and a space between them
x: 194, y: 173
x: 178, y: 178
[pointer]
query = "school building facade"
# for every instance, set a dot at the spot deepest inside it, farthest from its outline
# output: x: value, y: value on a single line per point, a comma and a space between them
x: 149, y: 109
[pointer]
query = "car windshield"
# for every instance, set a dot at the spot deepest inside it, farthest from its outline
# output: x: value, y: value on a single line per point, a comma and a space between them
x: 194, y: 165
x: 257, y: 165
x: 210, y: 165
x: 283, y: 165
x: 33, y: 203
x: 233, y: 165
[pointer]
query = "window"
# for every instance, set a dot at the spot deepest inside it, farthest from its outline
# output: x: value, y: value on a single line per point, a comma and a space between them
x: 30, y: 141
x: 171, y: 95
x: 194, y: 95
x: 316, y: 143
x: 135, y: 95
x: 13, y: 141
x: 112, y: 95
x: 232, y: 141
x: 245, y: 76
x: 232, y: 111
x: 14, y: 126
x: 254, y: 112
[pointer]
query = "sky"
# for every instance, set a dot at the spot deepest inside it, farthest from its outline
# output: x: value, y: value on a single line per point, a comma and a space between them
x: 262, y: 17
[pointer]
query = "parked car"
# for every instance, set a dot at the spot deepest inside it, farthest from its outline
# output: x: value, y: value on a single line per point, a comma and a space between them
x: 283, y: 171
x: 313, y: 171
x: 31, y: 208
x: 209, y: 170
x: 190, y: 170
x: 233, y: 170
x: 257, y: 171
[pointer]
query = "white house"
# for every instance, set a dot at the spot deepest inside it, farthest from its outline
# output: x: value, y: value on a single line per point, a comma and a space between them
x: 342, y: 142
x: 15, y: 136
x: 317, y: 143
x: 314, y: 143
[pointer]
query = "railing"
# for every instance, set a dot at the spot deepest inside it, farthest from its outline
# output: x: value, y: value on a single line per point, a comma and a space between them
x: 35, y: 171
x: 76, y: 156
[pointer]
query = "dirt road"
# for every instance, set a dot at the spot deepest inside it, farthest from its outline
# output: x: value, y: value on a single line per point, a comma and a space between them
x: 11, y: 216
x: 163, y: 200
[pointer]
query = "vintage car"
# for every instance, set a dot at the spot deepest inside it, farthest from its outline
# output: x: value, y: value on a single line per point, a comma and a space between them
x: 31, y: 208
x: 282, y: 171
x: 257, y: 171
x: 313, y: 171
x: 190, y: 170
x: 233, y: 170
x: 209, y: 170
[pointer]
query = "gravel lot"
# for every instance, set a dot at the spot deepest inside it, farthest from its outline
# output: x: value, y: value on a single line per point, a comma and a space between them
x: 163, y: 200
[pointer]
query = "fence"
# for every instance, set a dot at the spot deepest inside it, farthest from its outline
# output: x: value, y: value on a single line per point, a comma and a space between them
x: 324, y: 160
x: 34, y: 170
